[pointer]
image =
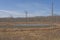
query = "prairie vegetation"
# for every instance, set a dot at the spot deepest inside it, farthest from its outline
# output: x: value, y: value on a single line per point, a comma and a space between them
x: 48, y: 33
x: 30, y: 34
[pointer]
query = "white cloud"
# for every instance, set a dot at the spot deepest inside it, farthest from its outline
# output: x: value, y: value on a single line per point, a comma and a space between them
x: 5, y: 13
x: 34, y: 9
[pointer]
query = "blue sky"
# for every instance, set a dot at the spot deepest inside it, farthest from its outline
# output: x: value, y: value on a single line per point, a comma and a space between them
x: 17, y: 8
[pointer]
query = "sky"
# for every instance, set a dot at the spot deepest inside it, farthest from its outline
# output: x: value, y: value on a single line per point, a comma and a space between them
x: 17, y: 8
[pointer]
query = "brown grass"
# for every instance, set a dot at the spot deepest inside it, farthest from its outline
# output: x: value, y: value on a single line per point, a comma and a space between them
x: 30, y: 34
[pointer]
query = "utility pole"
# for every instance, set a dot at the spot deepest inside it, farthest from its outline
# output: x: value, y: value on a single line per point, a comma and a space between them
x: 52, y: 7
x: 26, y: 17
x: 52, y: 14
x: 52, y: 11
x: 11, y: 18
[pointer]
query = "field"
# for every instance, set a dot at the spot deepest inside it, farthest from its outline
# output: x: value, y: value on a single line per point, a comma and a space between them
x: 29, y: 33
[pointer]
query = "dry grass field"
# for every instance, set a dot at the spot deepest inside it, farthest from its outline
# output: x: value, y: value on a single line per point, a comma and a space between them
x: 30, y: 33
